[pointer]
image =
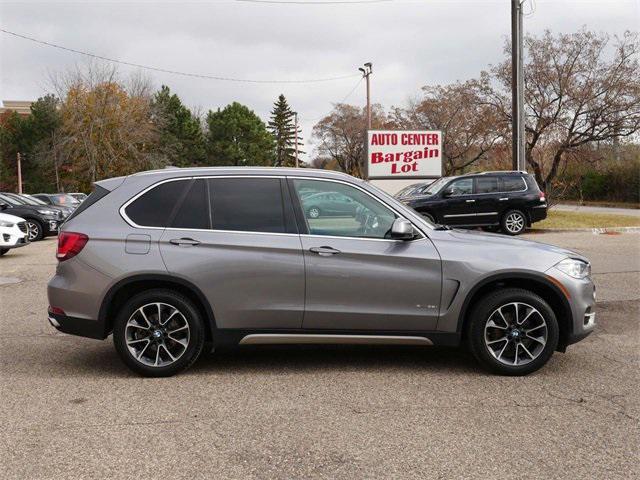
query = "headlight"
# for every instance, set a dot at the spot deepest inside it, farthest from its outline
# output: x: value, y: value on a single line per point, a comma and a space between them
x: 574, y: 268
x: 47, y: 212
x: 6, y: 224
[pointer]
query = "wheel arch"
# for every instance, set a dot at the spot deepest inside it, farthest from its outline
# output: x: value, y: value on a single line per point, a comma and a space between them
x: 536, y: 283
x: 124, y: 289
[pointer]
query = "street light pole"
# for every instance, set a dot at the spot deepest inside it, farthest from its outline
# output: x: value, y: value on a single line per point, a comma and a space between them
x: 19, y: 162
x: 517, y: 88
x: 366, y: 73
x: 295, y: 137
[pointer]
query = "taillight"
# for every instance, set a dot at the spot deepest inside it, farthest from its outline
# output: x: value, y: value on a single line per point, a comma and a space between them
x: 70, y: 244
x: 542, y: 197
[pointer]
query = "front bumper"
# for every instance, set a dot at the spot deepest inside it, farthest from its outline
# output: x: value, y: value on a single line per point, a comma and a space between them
x: 13, y: 237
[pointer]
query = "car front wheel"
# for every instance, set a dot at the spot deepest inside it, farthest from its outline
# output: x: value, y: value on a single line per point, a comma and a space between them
x: 512, y: 332
x: 3, y: 251
x: 36, y: 232
x: 158, y: 333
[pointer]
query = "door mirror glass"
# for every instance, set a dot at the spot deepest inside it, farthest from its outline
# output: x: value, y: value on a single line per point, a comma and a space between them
x: 448, y: 192
x: 402, y: 229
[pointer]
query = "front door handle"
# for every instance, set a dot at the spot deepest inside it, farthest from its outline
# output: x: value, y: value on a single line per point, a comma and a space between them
x: 470, y: 201
x: 184, y: 242
x: 503, y: 199
x: 324, y: 251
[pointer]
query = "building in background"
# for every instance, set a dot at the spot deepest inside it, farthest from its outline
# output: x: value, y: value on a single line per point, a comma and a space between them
x: 21, y: 107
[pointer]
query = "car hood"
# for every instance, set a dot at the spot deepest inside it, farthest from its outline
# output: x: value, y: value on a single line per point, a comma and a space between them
x: 10, y: 218
x: 497, y: 252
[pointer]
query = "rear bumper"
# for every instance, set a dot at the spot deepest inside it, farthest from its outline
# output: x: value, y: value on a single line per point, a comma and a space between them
x: 77, y: 326
x: 538, y: 213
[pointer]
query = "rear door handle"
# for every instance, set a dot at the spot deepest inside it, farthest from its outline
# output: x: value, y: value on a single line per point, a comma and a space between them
x: 324, y: 251
x: 184, y: 241
x: 503, y: 199
x: 470, y: 201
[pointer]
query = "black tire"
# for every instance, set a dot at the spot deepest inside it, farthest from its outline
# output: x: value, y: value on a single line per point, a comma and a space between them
x: 190, y: 314
x: 314, y: 212
x: 35, y: 226
x: 513, y: 222
x: 477, y: 328
x: 3, y: 251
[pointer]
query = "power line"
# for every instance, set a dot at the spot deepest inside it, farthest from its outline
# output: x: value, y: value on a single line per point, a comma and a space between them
x: 174, y: 72
x: 314, y: 2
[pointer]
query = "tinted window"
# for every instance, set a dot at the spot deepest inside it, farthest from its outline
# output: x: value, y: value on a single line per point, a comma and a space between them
x: 194, y: 210
x: 341, y: 210
x: 486, y: 184
x: 247, y: 204
x: 154, y: 208
x: 461, y: 187
x: 513, y: 184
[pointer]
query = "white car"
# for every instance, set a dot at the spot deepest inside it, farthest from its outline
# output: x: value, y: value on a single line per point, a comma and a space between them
x: 13, y: 232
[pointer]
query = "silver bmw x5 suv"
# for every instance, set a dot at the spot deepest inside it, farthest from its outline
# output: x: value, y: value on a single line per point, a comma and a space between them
x: 176, y: 260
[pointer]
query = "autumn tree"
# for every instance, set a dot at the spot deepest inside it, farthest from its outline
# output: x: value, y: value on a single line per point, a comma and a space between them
x: 580, y: 89
x: 236, y: 136
x: 340, y: 137
x: 180, y: 135
x: 283, y: 129
x: 469, y: 127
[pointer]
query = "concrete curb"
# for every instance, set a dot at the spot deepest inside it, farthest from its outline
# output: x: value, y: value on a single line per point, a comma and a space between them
x: 595, y: 231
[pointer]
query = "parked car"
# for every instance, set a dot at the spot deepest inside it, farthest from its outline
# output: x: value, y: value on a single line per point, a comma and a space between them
x: 510, y: 201
x: 42, y: 221
x: 58, y: 199
x: 329, y: 204
x: 412, y: 190
x: 171, y: 260
x: 13, y: 232
x: 29, y: 200
x: 80, y: 197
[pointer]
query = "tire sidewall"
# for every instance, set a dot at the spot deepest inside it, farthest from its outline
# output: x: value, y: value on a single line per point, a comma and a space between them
x: 186, y: 307
x: 503, y: 223
x: 480, y: 316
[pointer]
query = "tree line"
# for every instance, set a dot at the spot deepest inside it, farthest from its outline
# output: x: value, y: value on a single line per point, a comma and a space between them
x: 582, y: 105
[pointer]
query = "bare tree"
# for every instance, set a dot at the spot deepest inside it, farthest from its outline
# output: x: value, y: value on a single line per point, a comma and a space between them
x: 469, y: 126
x: 579, y: 90
x: 340, y: 137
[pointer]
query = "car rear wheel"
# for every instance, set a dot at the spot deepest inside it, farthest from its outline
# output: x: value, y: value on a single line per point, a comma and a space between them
x: 512, y: 332
x: 314, y: 212
x: 514, y: 222
x: 36, y: 232
x: 158, y: 333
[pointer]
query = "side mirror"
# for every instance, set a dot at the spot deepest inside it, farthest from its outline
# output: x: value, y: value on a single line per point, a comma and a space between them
x: 402, y: 229
x: 3, y: 206
x: 447, y: 193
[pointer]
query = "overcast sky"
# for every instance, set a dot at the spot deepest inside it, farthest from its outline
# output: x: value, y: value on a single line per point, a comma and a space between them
x: 410, y: 42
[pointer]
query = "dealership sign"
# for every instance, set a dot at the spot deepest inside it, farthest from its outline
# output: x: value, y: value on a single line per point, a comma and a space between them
x: 400, y: 154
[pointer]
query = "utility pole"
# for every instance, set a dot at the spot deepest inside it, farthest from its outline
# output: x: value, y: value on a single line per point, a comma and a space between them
x: 366, y: 73
x: 19, y: 173
x: 295, y: 137
x: 517, y: 88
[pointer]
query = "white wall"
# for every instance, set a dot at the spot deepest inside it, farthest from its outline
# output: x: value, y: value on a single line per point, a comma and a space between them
x: 394, y: 186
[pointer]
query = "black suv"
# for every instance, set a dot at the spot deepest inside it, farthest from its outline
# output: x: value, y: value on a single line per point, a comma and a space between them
x: 41, y: 220
x: 510, y: 201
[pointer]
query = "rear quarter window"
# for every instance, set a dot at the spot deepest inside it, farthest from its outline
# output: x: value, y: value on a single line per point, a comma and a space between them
x: 93, y: 197
x: 513, y: 184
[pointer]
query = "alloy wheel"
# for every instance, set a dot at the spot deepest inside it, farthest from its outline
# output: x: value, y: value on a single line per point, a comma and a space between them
x: 157, y: 334
x: 515, y: 334
x: 34, y: 231
x: 314, y: 212
x: 514, y: 222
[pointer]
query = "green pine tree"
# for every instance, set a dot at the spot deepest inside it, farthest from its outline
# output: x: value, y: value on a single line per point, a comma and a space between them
x: 282, y: 127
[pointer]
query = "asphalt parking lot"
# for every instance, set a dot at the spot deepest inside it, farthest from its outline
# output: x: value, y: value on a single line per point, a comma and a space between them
x: 70, y: 409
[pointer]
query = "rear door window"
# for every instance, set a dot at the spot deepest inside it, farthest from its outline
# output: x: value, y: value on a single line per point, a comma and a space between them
x: 247, y: 204
x: 154, y: 207
x: 487, y: 185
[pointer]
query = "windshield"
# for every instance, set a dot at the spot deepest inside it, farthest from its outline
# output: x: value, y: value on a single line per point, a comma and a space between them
x: 17, y: 198
x: 409, y: 189
x: 436, y: 186
x: 64, y: 199
x: 9, y: 200
x: 32, y: 200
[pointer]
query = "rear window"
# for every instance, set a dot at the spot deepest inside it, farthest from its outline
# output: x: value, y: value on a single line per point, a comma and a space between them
x: 513, y: 184
x: 194, y: 210
x: 247, y: 204
x: 154, y: 207
x: 93, y: 197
